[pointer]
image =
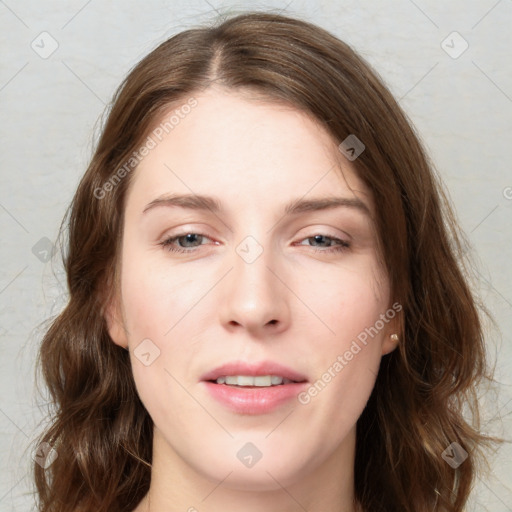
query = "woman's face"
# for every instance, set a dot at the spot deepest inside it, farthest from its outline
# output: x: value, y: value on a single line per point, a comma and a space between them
x: 269, y: 280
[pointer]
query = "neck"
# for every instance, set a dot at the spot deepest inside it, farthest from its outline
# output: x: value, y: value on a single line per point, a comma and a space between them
x: 176, y: 486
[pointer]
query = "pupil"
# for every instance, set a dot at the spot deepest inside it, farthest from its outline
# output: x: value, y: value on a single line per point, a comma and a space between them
x: 189, y: 237
x: 318, y: 238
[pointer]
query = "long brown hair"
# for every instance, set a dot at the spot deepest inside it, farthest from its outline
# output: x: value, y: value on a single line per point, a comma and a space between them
x: 99, y: 428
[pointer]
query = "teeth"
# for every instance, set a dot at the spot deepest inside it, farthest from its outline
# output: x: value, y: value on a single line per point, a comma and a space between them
x: 249, y: 380
x: 274, y: 379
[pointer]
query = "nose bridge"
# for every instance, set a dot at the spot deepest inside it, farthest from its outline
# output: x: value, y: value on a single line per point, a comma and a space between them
x: 253, y: 280
x: 254, y: 296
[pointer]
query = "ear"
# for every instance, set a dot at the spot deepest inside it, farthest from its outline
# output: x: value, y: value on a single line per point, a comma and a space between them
x: 115, y: 324
x: 392, y: 335
x: 389, y: 343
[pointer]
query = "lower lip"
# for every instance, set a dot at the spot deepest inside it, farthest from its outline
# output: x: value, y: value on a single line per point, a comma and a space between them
x: 256, y: 400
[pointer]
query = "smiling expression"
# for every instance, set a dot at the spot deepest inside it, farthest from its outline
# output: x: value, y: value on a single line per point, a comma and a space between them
x: 248, y: 238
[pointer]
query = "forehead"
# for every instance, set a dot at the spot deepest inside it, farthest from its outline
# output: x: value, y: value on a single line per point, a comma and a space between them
x: 244, y: 148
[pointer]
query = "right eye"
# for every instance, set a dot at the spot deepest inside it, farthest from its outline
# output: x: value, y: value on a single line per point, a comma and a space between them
x: 169, y: 243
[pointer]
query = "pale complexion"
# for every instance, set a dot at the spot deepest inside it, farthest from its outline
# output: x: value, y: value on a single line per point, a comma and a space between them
x: 297, y: 303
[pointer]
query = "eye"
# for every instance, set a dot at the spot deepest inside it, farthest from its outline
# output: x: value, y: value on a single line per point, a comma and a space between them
x: 341, y: 245
x: 188, y: 242
x: 183, y: 238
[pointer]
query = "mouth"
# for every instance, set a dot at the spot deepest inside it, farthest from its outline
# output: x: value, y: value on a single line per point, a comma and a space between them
x: 250, y: 381
x: 252, y: 389
x: 241, y: 373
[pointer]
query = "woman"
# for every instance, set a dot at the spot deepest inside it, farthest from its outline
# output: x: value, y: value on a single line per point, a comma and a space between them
x: 212, y: 356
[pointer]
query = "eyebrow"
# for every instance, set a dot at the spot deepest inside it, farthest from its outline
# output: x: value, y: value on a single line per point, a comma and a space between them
x: 294, y: 207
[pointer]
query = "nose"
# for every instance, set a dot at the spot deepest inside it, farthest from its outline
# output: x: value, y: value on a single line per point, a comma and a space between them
x: 254, y: 296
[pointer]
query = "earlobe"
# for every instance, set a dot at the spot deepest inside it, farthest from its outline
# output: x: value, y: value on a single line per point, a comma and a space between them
x: 392, y: 334
x: 115, y: 324
x: 390, y: 343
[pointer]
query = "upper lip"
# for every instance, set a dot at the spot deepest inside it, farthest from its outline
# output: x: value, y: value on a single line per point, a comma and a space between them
x: 254, y: 369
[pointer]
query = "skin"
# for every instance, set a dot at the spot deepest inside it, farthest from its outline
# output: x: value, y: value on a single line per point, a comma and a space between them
x: 209, y: 306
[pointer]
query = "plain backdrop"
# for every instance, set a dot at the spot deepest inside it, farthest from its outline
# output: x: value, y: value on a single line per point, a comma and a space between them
x: 448, y: 64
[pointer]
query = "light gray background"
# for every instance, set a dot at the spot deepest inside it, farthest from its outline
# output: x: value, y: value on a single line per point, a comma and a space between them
x: 462, y: 107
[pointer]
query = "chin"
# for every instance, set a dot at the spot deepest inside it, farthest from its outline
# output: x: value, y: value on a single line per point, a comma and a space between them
x: 257, y: 480
x: 278, y: 466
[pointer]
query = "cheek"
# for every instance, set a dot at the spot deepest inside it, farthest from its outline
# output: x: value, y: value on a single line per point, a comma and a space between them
x: 150, y: 310
x: 348, y: 302
x: 160, y: 307
x: 348, y: 351
x: 159, y: 352
x: 155, y: 299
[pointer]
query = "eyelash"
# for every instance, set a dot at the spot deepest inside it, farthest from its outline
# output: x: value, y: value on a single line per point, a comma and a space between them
x: 342, y: 246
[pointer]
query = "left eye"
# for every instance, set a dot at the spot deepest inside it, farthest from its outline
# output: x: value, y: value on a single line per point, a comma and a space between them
x: 193, y: 238
x: 342, y: 245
